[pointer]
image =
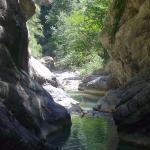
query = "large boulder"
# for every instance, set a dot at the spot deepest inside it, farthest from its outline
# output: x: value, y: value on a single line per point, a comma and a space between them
x: 40, y: 73
x: 97, y: 82
x: 130, y: 104
x: 63, y: 99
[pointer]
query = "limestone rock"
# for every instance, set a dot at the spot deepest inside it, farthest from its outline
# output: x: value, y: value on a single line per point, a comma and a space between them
x: 109, y: 102
x: 102, y: 83
x: 31, y: 105
x: 40, y: 73
x: 130, y: 104
x: 63, y: 99
x: 126, y: 36
x: 133, y: 109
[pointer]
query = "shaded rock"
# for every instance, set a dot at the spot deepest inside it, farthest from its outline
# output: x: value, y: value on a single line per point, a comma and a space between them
x: 13, y: 136
x: 13, y: 36
x: 31, y: 105
x: 40, y: 73
x: 130, y: 104
x: 27, y: 112
x: 109, y: 102
x: 133, y: 108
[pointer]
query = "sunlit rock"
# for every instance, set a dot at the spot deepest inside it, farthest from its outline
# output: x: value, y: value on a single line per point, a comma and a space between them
x: 40, y: 73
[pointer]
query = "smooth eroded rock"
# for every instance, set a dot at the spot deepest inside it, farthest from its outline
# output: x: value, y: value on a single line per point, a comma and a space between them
x: 41, y: 73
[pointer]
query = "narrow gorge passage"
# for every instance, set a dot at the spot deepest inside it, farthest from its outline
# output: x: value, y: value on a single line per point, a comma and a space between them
x: 74, y: 74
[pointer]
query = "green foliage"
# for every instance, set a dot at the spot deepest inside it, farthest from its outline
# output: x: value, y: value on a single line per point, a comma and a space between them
x: 35, y: 31
x: 76, y: 33
x: 71, y: 32
x: 95, y: 62
x: 49, y: 15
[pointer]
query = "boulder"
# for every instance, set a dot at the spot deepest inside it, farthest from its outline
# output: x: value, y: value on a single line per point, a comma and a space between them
x: 109, y: 102
x: 130, y: 104
x: 40, y: 73
x: 102, y: 83
x: 69, y: 80
x: 63, y: 99
x: 48, y: 62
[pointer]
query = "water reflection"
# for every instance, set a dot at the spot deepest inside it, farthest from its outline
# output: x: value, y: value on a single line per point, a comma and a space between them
x: 59, y: 139
x: 87, y: 134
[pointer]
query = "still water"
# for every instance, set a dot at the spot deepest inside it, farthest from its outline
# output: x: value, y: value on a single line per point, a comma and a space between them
x: 90, y: 133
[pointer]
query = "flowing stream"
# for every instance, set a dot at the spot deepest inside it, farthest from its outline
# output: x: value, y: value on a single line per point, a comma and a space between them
x: 89, y: 133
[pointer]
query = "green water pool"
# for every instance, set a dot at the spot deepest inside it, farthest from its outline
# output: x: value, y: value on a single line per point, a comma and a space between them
x: 89, y: 133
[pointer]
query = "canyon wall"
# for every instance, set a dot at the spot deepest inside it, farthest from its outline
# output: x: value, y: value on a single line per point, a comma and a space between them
x: 126, y: 36
x: 27, y: 112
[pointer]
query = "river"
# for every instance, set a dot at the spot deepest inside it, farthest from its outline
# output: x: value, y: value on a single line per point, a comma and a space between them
x: 89, y: 133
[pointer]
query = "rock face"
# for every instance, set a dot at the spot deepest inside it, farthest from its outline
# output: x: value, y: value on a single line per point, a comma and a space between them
x: 127, y: 37
x: 14, y: 136
x: 13, y: 36
x: 130, y: 104
x: 133, y: 110
x: 27, y: 112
